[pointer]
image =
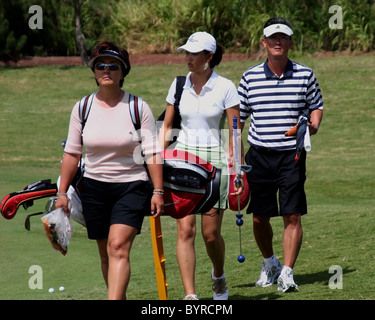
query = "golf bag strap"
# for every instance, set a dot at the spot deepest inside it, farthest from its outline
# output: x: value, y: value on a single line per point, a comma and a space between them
x: 85, y: 107
x: 84, y: 110
x: 180, y: 82
x: 135, y: 108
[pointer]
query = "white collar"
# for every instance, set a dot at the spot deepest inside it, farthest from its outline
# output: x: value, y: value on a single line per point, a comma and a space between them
x: 209, y: 84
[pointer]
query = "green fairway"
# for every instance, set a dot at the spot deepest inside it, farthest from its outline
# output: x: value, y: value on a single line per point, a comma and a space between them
x: 35, y: 106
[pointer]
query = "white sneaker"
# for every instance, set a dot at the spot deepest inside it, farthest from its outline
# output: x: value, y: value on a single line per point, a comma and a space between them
x: 191, y: 296
x: 285, y: 282
x: 268, y: 275
x: 219, y: 287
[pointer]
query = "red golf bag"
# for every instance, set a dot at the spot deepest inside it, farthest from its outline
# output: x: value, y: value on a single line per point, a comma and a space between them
x: 191, y: 184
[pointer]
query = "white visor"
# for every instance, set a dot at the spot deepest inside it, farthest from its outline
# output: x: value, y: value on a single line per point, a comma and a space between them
x: 277, y: 28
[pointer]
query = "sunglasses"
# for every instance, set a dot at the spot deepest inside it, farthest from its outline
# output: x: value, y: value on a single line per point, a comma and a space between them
x: 110, y: 66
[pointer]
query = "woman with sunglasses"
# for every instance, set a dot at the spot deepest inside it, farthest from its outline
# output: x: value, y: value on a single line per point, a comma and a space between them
x: 115, y: 193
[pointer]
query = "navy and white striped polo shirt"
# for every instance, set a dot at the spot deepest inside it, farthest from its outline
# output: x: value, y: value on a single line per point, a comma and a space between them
x: 275, y: 103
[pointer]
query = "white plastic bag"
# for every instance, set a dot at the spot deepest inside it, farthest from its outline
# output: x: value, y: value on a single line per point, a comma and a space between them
x: 59, y: 229
x: 74, y: 205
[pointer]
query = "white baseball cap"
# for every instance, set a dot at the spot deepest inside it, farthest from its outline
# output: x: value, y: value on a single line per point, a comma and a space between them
x: 198, y: 42
x: 277, y: 28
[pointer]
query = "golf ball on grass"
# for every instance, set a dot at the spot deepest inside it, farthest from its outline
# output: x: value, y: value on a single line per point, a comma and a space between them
x: 51, y: 290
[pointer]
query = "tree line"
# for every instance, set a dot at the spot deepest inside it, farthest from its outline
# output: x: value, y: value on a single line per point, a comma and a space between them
x: 72, y: 27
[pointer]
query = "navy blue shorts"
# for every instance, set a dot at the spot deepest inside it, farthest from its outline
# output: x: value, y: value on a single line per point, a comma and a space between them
x: 104, y: 204
x: 276, y: 174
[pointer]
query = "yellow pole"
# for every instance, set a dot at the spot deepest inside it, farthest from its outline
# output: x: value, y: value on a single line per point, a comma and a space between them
x: 159, y: 260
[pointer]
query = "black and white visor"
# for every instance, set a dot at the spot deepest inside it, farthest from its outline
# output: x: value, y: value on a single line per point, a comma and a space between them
x: 107, y: 53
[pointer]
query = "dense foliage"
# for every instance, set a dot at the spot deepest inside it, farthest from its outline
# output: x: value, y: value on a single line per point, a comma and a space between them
x: 161, y: 26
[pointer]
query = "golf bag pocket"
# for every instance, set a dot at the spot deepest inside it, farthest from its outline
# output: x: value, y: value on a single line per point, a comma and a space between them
x: 191, y: 184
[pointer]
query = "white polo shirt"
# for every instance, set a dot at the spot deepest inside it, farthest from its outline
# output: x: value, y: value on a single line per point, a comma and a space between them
x: 203, y: 115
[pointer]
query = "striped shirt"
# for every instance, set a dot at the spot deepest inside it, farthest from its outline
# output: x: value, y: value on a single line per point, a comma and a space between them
x: 274, y: 103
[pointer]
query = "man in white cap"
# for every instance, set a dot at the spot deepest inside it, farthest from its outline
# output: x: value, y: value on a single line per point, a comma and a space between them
x: 274, y: 93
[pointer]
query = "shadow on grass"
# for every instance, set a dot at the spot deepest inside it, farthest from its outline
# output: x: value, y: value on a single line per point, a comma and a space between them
x: 264, y: 296
x: 320, y: 277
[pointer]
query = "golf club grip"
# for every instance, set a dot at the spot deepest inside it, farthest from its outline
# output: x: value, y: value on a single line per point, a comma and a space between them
x: 291, y: 132
x: 307, y: 140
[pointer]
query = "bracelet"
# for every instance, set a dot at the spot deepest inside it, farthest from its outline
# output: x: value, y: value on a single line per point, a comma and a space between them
x: 62, y: 194
x: 158, y: 191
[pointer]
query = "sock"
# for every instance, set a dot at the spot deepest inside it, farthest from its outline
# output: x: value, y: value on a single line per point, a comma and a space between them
x: 286, y: 270
x: 271, y: 261
x: 215, y: 278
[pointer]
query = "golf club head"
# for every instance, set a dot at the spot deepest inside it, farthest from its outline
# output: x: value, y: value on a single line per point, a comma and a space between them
x: 27, y: 220
x: 50, y: 205
x: 27, y: 223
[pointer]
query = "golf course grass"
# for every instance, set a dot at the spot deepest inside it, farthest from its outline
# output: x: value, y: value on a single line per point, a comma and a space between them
x: 35, y: 106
